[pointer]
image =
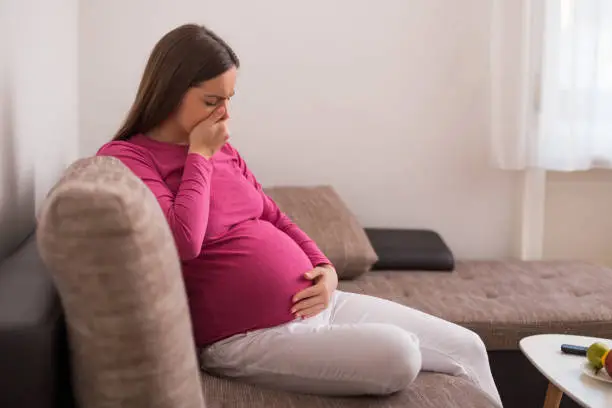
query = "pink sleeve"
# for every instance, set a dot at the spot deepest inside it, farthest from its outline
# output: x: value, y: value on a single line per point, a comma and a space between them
x: 187, y: 211
x: 274, y: 215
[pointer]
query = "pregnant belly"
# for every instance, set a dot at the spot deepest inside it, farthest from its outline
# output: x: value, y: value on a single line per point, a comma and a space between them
x: 244, y: 281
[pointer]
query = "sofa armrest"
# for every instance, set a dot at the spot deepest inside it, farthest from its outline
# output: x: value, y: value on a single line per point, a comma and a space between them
x: 31, y: 332
x: 110, y: 251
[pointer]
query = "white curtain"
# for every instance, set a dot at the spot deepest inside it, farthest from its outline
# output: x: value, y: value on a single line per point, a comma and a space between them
x: 551, y: 73
x: 38, y: 107
x: 515, y: 50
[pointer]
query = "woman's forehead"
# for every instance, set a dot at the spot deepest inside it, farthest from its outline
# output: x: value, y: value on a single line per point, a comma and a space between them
x: 222, y: 85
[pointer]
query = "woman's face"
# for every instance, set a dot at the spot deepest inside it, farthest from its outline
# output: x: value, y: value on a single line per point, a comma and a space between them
x: 201, y: 100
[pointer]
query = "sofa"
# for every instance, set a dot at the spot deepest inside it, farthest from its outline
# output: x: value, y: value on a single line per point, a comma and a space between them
x: 93, y: 312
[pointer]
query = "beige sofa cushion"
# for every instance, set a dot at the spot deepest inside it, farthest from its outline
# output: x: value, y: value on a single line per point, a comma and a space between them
x: 429, y: 390
x: 321, y: 213
x: 104, y: 238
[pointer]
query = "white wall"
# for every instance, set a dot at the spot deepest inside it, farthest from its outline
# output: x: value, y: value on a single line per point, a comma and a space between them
x: 388, y: 102
x: 38, y: 107
x: 578, y: 222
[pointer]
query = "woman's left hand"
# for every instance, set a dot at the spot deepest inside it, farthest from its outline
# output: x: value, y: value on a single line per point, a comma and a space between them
x: 313, y: 300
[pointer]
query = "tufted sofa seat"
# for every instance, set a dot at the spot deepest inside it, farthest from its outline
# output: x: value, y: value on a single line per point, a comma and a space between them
x: 505, y: 301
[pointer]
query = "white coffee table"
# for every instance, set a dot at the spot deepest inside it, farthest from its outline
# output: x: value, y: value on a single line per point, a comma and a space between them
x: 564, y: 372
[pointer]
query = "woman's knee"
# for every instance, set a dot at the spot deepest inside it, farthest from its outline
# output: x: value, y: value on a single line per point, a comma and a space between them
x: 402, y: 362
x: 471, y: 346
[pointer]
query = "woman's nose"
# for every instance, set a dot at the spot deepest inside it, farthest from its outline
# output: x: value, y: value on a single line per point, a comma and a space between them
x: 226, y: 106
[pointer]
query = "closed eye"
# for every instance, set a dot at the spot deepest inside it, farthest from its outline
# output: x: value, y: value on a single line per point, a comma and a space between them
x: 216, y: 102
x: 217, y: 99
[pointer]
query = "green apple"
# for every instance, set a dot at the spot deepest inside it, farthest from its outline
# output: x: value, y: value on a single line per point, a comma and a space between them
x: 595, y: 353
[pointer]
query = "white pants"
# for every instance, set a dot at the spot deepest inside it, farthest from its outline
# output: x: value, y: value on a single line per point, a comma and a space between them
x: 359, y: 345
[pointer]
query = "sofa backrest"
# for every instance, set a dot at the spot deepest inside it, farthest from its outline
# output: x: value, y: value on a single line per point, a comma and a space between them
x: 112, y: 257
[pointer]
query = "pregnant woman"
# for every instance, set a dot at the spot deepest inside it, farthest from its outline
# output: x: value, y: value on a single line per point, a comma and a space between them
x: 262, y: 296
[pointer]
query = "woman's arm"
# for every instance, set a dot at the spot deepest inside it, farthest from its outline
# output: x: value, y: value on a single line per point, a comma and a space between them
x: 187, y: 211
x: 274, y: 215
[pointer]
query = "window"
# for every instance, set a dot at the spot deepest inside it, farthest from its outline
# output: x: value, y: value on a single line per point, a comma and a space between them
x: 575, y: 112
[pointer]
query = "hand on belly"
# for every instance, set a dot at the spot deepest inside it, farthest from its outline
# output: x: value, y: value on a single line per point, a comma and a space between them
x: 313, y: 300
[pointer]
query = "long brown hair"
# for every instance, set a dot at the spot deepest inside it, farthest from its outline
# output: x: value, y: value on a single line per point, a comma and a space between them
x: 183, y: 58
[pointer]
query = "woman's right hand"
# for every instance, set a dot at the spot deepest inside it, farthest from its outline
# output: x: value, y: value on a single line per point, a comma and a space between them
x: 208, y: 136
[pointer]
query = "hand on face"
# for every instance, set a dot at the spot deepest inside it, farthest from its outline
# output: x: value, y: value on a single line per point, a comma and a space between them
x: 313, y: 300
x: 204, y: 113
x: 208, y: 136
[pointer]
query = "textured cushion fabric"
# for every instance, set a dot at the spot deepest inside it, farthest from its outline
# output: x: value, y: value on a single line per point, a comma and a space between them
x: 505, y: 301
x: 321, y: 213
x: 428, y: 391
x: 409, y: 250
x: 112, y: 256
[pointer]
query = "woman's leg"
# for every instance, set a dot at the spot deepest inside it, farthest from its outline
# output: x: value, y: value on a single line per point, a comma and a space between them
x: 311, y: 356
x: 445, y: 347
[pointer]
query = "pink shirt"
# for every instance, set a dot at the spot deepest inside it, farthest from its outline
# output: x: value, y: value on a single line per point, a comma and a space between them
x: 243, y: 259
